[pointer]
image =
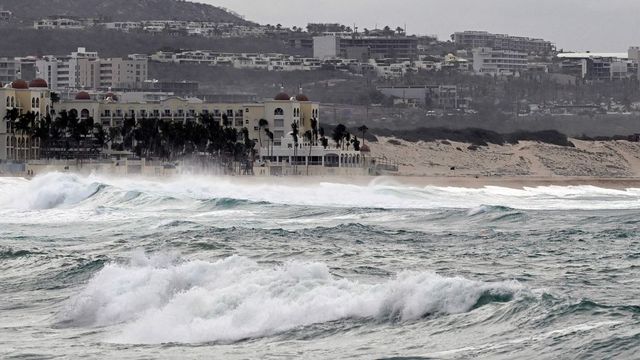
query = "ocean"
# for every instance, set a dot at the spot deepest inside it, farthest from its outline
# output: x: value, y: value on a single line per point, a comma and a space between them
x: 224, y: 268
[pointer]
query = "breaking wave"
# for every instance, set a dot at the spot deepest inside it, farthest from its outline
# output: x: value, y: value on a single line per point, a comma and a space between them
x: 67, y: 190
x: 158, y: 300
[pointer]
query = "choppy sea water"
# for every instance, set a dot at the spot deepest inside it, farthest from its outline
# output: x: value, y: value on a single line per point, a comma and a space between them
x: 100, y: 267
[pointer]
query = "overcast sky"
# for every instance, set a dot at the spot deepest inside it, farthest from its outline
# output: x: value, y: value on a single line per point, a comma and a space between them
x: 595, y: 25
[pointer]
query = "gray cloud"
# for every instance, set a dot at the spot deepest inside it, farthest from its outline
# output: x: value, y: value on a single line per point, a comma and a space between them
x: 594, y: 25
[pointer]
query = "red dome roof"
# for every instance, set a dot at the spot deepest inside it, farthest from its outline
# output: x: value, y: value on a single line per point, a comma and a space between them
x: 302, y: 97
x: 38, y: 83
x: 19, y: 84
x: 282, y: 96
x: 83, y: 95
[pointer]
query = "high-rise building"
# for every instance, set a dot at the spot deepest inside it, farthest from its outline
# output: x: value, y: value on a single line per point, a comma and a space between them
x: 86, y: 70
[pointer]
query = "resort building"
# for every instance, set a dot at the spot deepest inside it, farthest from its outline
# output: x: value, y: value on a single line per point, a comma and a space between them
x: 33, y: 97
x: 111, y: 109
x: 498, y: 62
x: 482, y: 39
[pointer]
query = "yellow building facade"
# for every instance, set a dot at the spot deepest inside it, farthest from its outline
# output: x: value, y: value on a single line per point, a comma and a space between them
x: 25, y: 97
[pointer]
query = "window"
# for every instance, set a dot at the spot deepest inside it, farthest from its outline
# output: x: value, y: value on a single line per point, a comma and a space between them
x: 37, y: 102
x: 167, y: 112
x: 33, y: 102
x: 107, y: 113
x: 279, y: 123
x: 278, y: 112
x: 230, y: 113
x: 8, y: 101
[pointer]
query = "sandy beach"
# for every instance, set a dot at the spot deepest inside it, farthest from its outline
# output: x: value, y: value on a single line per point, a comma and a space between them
x: 444, y: 163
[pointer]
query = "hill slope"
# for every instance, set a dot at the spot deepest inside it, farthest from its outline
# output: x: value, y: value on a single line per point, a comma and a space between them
x: 120, y: 10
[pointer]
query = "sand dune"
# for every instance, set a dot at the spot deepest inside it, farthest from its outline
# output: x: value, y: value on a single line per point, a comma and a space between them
x: 593, y: 159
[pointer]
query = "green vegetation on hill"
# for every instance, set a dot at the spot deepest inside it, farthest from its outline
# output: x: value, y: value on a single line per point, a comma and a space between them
x: 120, y: 10
x: 475, y: 136
x: 111, y: 43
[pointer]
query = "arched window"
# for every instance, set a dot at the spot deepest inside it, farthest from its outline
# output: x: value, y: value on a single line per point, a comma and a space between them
x: 84, y: 114
x: 33, y: 102
x: 278, y: 112
x: 8, y: 101
x: 37, y: 102
x: 73, y: 112
x: 13, y: 101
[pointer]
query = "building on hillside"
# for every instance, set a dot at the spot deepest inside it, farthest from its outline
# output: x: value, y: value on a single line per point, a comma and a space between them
x: 24, y: 97
x: 85, y: 70
x: 482, y: 39
x: 5, y: 15
x: 498, y: 62
x: 375, y: 47
x: 9, y: 70
x: 601, y: 66
x: 432, y: 96
x: 58, y: 23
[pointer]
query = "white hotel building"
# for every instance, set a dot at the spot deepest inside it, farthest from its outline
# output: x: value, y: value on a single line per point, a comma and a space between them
x: 498, y: 62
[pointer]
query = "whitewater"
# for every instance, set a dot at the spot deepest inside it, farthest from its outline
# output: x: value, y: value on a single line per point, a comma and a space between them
x: 204, y: 267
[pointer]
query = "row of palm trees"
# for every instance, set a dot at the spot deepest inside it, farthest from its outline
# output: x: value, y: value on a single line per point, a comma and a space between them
x: 70, y: 137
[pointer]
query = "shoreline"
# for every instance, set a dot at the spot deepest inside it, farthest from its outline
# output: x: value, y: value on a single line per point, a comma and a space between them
x: 513, y: 182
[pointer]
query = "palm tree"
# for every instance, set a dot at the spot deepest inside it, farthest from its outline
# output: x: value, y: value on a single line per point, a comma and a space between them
x: 294, y: 134
x: 263, y: 123
x: 55, y: 98
x: 270, y: 136
x: 338, y: 134
x: 314, y: 130
x: 347, y: 138
x: 363, y: 129
x: 324, y: 141
x: 308, y: 135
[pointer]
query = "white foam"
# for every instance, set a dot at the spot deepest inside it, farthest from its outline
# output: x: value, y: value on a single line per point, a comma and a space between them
x: 155, y: 300
x: 46, y: 192
x: 55, y: 190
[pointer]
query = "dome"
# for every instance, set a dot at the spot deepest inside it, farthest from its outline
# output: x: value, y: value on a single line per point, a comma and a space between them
x: 38, y: 83
x: 282, y: 97
x: 302, y: 97
x: 83, y: 95
x: 19, y: 84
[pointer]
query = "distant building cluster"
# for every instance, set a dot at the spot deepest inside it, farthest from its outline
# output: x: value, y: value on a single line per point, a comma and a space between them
x: 192, y: 28
x: 482, y: 39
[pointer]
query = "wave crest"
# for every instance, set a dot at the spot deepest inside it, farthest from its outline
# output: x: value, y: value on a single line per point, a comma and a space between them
x: 157, y: 300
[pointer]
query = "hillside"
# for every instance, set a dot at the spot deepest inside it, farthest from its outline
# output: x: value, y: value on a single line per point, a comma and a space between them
x: 118, y: 44
x: 120, y: 10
